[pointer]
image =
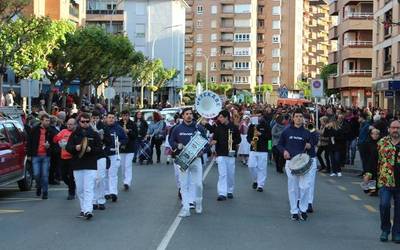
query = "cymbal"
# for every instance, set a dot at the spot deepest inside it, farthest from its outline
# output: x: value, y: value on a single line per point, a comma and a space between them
x: 84, y: 145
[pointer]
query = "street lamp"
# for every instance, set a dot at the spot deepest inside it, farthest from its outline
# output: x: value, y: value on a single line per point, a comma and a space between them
x: 259, y: 80
x: 152, y: 55
x: 206, y: 58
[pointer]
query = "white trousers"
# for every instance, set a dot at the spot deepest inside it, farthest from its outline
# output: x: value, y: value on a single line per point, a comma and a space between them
x: 257, y: 163
x: 298, y: 189
x: 112, y: 175
x: 100, y: 183
x: 192, y: 181
x: 226, y: 178
x: 176, y: 172
x: 312, y: 175
x: 84, y: 181
x: 126, y: 167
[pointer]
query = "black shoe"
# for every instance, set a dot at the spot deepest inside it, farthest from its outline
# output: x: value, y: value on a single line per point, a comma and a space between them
x: 95, y: 206
x: 167, y: 162
x: 114, y: 198
x: 192, y: 206
x: 179, y: 194
x: 71, y: 197
x: 384, y: 236
x: 88, y: 216
x: 294, y: 217
x: 81, y: 215
x: 310, y: 208
x: 45, y: 196
x: 102, y: 207
x: 303, y: 216
x: 126, y: 187
x: 38, y: 192
x: 255, y: 185
x: 230, y: 196
x: 158, y: 161
x: 260, y: 189
x: 107, y: 196
x: 221, y: 198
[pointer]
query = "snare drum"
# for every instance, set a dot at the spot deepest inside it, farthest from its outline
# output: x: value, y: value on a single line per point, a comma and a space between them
x: 300, y: 164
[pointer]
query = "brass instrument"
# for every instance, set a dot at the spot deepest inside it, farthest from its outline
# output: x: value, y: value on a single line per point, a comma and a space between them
x: 255, y: 138
x: 116, y: 145
x: 230, y: 144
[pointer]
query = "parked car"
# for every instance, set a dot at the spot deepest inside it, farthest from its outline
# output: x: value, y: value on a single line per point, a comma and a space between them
x: 147, y: 114
x: 14, y: 165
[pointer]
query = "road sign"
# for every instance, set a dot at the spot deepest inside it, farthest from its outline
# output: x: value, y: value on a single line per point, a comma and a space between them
x: 29, y: 88
x: 283, y: 92
x: 109, y: 93
x: 317, y: 88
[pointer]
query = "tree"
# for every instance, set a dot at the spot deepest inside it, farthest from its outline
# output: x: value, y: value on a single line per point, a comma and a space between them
x: 189, y: 93
x: 25, y: 44
x: 141, y: 74
x: 11, y: 8
x: 305, y: 87
x: 326, y: 71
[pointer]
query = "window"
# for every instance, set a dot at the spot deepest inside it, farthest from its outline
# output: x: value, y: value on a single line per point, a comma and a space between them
x: 260, y: 51
x: 242, y: 65
x: 276, y: 25
x: 242, y: 23
x: 241, y: 51
x: 213, y: 52
x: 242, y: 37
x: 260, y: 23
x: 140, y: 30
x: 275, y: 80
x: 213, y: 24
x: 242, y: 8
x: 260, y: 9
x: 387, y: 59
x: 213, y: 66
x: 12, y: 133
x: 213, y: 79
x: 241, y: 79
x: 276, y: 39
x: 199, y: 66
x: 111, y: 6
x: 199, y: 38
x: 276, y: 10
x: 214, y: 9
x: 387, y: 27
x: 199, y: 51
x: 199, y: 23
x: 213, y: 37
x: 260, y: 37
x: 140, y: 9
x: 4, y: 137
x: 200, y: 9
x: 275, y: 67
x: 276, y: 53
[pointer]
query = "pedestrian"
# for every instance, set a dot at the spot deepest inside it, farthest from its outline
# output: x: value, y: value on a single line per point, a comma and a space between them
x: 39, y: 150
x: 226, y: 138
x: 323, y: 147
x: 66, y: 166
x: 55, y: 151
x: 277, y: 129
x: 127, y: 152
x: 389, y: 182
x: 370, y: 176
x: 156, y: 133
x: 141, y: 127
x: 244, y: 146
x: 84, y: 145
x: 363, y: 135
x: 314, y: 138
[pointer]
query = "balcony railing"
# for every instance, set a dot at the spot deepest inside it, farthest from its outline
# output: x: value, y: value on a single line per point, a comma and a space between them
x: 358, y: 72
x: 358, y: 43
x: 105, y: 12
x: 358, y: 15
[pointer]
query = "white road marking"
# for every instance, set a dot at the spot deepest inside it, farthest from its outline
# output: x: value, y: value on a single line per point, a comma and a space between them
x: 370, y: 208
x: 342, y: 188
x: 355, y: 197
x: 171, y: 230
x: 9, y: 211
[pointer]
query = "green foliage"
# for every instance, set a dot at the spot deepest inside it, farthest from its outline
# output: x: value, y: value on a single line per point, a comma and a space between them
x: 305, y: 87
x: 141, y: 72
x: 10, y: 8
x: 326, y: 71
x: 189, y: 93
x: 266, y: 87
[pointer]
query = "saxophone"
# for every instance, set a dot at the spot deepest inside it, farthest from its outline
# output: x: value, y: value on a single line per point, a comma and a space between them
x: 230, y: 143
x: 255, y: 138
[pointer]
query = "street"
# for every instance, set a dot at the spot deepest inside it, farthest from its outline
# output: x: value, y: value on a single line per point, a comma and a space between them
x: 146, y: 217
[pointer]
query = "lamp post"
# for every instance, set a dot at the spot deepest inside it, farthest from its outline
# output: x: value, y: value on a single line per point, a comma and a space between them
x: 259, y: 80
x: 206, y: 59
x: 152, y: 56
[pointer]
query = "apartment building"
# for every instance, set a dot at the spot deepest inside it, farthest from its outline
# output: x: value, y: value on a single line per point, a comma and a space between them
x: 247, y: 42
x: 108, y: 14
x: 386, y: 55
x: 352, y: 34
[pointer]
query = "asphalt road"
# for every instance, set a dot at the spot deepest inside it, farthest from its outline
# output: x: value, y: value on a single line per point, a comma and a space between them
x: 146, y: 217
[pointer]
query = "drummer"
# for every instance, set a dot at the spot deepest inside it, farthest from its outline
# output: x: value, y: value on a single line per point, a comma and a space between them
x: 295, y: 140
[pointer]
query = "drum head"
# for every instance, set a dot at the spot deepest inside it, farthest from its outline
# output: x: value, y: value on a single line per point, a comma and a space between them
x: 84, y: 145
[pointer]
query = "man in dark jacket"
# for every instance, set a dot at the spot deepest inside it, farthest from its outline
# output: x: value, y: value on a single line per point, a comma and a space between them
x: 258, y: 136
x: 84, y: 162
x: 38, y: 148
x: 127, y: 152
x: 226, y: 139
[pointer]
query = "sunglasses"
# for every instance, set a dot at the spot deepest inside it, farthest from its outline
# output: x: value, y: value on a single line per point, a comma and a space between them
x: 84, y: 121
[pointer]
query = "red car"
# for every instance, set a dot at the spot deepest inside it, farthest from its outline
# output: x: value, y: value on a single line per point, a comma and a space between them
x: 14, y: 166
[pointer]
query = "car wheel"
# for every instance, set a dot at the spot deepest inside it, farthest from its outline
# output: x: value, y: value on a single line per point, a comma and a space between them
x: 26, y: 183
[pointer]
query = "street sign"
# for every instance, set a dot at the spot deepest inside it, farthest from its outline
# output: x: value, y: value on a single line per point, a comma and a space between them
x: 29, y: 88
x: 389, y: 94
x: 317, y: 88
x: 109, y: 93
x: 283, y: 92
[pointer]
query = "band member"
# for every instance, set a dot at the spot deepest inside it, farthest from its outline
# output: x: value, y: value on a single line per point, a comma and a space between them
x: 177, y: 119
x: 66, y: 167
x: 101, y: 183
x: 226, y: 139
x: 258, y: 136
x: 84, y: 162
x: 193, y: 176
x: 119, y: 140
x: 312, y: 174
x: 295, y: 140
x: 127, y: 153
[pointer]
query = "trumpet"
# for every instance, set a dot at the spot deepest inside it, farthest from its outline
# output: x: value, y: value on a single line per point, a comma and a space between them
x: 255, y: 138
x: 230, y: 143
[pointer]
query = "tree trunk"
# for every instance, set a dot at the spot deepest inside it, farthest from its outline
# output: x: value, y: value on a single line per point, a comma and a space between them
x: 81, y: 90
x: 1, y: 88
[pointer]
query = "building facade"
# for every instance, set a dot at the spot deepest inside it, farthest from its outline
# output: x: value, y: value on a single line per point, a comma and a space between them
x: 157, y: 28
x: 386, y: 55
x: 107, y: 14
x: 352, y: 34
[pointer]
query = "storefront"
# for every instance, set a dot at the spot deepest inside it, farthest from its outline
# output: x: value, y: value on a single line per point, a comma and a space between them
x: 358, y: 97
x: 387, y: 95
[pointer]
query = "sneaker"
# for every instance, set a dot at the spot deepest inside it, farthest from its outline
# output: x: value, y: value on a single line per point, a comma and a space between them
x: 126, y: 187
x: 384, y: 236
x: 102, y: 207
x: 333, y: 174
x: 88, y: 216
x: 221, y: 198
x: 95, y: 206
x: 294, y: 217
x: 191, y: 206
x: 230, y: 196
x: 339, y: 174
x: 184, y: 213
x: 310, y: 208
x: 260, y: 189
x: 199, y: 208
x: 254, y: 185
x: 114, y: 198
x: 45, y: 196
x: 303, y: 216
x: 80, y: 215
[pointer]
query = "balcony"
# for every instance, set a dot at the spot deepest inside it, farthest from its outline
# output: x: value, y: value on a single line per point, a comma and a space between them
x: 332, y: 57
x: 332, y: 81
x: 358, y: 15
x: 189, y: 29
x: 189, y: 15
x: 333, y: 8
x: 358, y: 72
x: 188, y: 56
x: 104, y: 12
x: 333, y: 33
x: 358, y: 44
x: 361, y: 79
x: 356, y: 52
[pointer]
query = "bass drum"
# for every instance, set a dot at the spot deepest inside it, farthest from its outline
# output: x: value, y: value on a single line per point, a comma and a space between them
x: 208, y: 104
